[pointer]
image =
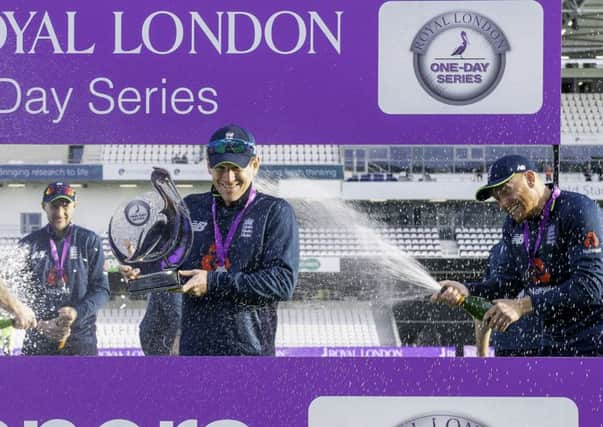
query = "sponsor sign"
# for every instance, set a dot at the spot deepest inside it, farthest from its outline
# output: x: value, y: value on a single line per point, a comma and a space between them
x: 366, y: 351
x: 302, y: 172
x: 467, y: 57
x: 443, y: 411
x: 292, y: 392
x: 46, y: 173
x: 320, y: 265
x: 334, y: 72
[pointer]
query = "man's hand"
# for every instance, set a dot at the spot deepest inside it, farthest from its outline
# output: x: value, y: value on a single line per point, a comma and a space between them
x: 67, y: 316
x: 505, y: 312
x: 128, y: 272
x: 59, y: 328
x: 197, y: 284
x: 451, y: 292
x: 24, y: 316
x: 54, y: 330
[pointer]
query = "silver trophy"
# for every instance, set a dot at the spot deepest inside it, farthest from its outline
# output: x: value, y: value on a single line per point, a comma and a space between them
x: 153, y: 232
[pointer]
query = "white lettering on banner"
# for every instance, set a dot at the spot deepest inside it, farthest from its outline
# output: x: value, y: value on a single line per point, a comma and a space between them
x: 58, y: 33
x: 301, y: 33
x: 119, y: 423
x: 130, y: 100
x: 45, y: 32
x: 49, y: 423
x: 37, y: 100
x: 127, y: 423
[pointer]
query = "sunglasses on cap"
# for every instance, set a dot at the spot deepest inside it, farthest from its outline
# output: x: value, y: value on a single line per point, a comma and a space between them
x: 237, y: 146
x: 66, y: 191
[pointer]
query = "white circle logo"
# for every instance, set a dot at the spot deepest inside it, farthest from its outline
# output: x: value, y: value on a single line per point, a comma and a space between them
x: 459, y: 57
x: 441, y: 421
x: 137, y: 212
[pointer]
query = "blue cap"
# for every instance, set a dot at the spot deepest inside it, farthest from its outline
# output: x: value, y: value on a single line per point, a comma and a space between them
x: 231, y: 144
x: 501, y: 171
x: 58, y: 190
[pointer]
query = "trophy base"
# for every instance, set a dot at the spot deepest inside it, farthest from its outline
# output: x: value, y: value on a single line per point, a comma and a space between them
x: 162, y: 281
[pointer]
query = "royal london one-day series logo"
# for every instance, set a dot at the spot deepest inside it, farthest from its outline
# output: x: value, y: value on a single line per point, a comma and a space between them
x: 441, y: 420
x: 459, y: 56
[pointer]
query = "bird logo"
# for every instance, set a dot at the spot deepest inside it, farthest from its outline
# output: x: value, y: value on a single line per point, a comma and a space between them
x: 461, y: 49
x: 459, y: 56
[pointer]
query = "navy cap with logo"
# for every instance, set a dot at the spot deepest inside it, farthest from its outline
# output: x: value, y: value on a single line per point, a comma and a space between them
x: 501, y: 171
x: 58, y: 190
x: 231, y: 144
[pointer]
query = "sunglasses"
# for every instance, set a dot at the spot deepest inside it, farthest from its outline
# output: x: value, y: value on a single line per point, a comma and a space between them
x: 62, y: 190
x: 237, y: 146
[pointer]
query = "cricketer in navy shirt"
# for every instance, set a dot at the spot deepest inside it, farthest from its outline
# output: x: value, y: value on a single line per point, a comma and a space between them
x: 68, y: 283
x: 552, y: 252
x: 244, y: 258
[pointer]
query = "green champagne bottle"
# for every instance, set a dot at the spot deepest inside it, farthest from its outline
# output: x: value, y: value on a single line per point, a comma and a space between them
x: 6, y: 323
x: 475, y: 306
x: 6, y: 332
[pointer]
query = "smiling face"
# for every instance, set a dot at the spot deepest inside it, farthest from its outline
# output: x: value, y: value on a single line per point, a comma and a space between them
x: 232, y: 181
x: 518, y: 196
x: 59, y: 214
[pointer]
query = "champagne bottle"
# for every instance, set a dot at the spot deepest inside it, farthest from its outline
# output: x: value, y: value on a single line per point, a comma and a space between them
x: 475, y: 306
x: 6, y: 332
x: 6, y: 323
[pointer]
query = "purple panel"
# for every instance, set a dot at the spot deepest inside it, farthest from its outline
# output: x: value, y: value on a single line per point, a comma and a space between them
x: 301, y: 98
x: 268, y: 391
x: 365, y: 351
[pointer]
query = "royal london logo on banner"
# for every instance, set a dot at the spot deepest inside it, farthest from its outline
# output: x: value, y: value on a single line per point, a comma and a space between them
x: 459, y: 56
x: 455, y: 57
x: 376, y: 411
x: 440, y: 420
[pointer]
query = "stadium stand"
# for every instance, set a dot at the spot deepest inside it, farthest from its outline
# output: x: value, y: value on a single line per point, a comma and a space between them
x: 581, y: 113
x: 271, y: 154
x: 326, y: 324
x: 476, y: 242
x: 145, y: 154
x: 299, y: 154
x: 423, y: 242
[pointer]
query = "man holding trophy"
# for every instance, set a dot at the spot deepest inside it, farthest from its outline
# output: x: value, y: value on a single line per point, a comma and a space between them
x: 243, y: 258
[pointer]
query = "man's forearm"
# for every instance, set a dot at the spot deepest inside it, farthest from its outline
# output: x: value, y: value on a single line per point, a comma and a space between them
x: 7, y: 300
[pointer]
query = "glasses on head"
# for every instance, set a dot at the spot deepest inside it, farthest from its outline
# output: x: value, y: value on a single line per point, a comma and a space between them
x: 237, y: 146
x: 62, y: 190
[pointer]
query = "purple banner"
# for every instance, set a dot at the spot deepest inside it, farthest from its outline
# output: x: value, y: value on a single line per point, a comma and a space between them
x: 365, y: 351
x: 258, y: 392
x: 370, y: 72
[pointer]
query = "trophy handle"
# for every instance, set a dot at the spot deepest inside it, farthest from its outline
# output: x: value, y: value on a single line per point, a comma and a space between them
x: 174, y: 204
x: 167, y: 240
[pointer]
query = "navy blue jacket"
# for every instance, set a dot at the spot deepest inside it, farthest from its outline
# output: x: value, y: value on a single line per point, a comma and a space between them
x: 567, y: 287
x: 237, y: 316
x: 87, y: 289
x: 524, y: 337
x: 161, y: 323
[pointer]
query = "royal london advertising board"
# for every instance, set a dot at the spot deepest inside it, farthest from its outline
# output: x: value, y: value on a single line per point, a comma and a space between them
x: 336, y: 72
x: 367, y: 72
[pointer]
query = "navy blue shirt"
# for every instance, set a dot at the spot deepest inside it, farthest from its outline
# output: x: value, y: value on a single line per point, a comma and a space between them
x: 237, y: 316
x: 524, y: 337
x: 87, y: 288
x: 566, y: 287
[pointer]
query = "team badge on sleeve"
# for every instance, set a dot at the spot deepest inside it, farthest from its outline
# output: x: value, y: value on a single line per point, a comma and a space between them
x: 591, y: 243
